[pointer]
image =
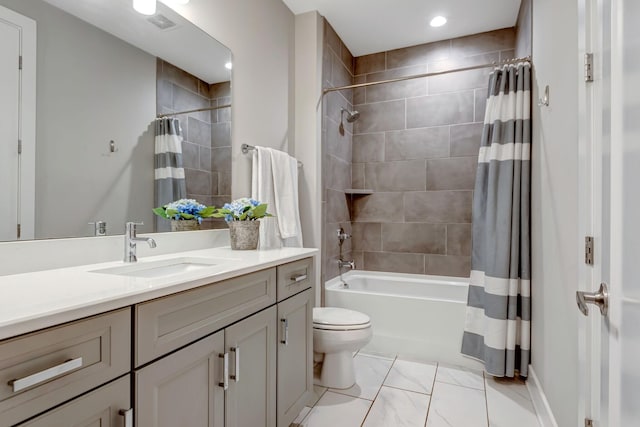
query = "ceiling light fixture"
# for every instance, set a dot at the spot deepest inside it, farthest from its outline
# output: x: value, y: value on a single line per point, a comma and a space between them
x: 438, y: 21
x: 145, y: 7
x: 228, y: 65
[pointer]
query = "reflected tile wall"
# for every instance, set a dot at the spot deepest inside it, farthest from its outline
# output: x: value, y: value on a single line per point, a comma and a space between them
x: 206, y: 147
x: 416, y: 146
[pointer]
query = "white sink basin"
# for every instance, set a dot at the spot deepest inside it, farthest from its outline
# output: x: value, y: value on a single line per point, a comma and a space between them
x: 163, y: 268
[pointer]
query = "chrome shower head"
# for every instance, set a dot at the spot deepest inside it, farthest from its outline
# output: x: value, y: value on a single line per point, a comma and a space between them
x: 352, y: 116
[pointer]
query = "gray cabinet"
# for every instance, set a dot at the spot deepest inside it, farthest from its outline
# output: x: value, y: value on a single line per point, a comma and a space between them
x: 295, y: 356
x: 251, y: 398
x: 101, y: 407
x: 184, y: 388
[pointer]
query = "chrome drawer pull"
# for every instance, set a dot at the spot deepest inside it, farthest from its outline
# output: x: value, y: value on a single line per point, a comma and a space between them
x: 225, y: 371
x: 236, y: 371
x: 128, y: 416
x: 46, y: 375
x: 298, y: 278
x: 285, y: 323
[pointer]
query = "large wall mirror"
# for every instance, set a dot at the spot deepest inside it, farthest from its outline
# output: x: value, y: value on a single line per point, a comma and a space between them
x: 98, y: 77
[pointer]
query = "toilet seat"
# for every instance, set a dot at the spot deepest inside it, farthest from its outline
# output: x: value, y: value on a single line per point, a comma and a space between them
x: 339, y: 319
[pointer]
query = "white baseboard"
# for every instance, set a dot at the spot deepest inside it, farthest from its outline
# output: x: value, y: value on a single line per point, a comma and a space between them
x: 540, y: 403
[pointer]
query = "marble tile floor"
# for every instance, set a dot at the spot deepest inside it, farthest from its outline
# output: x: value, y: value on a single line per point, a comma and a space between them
x: 394, y: 392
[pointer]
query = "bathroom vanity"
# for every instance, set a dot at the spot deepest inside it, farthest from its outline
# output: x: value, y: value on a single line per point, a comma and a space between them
x: 203, y: 338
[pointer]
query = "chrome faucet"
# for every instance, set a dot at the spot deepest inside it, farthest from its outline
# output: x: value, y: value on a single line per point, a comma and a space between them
x: 131, y: 241
x: 349, y: 264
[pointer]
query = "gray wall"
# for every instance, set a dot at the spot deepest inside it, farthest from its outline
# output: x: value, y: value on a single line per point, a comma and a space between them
x: 91, y: 88
x: 555, y: 240
x: 416, y: 145
x: 337, y: 70
x: 523, y: 29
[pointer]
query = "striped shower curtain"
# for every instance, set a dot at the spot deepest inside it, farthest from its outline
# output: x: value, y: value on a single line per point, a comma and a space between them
x: 169, y: 172
x: 497, y: 328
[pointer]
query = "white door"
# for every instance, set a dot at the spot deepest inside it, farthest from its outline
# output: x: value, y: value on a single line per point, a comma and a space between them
x: 610, y: 203
x: 17, y: 124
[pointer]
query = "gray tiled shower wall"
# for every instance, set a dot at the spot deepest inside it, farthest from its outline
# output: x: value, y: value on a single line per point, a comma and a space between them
x: 207, y: 134
x: 415, y: 145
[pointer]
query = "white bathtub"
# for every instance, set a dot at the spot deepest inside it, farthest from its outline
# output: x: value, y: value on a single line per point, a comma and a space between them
x: 413, y: 315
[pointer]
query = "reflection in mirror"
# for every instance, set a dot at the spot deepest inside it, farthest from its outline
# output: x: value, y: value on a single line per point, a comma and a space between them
x: 100, y: 74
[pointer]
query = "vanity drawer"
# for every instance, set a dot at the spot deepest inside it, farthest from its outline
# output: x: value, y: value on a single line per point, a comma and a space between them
x: 169, y: 323
x: 45, y: 368
x: 294, y: 277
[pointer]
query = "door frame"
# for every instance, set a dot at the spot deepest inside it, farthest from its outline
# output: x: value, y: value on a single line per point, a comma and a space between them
x: 27, y: 120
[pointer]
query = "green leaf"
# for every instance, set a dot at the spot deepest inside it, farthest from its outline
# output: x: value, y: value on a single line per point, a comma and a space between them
x: 260, y: 211
x: 186, y: 215
x: 207, y: 212
x: 161, y: 212
x: 171, y: 213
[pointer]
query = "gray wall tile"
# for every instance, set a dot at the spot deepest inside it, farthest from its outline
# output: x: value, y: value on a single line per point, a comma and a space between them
x: 190, y: 155
x: 366, y: 236
x: 414, y: 238
x: 357, y: 175
x: 484, y: 42
x: 199, y: 132
x: 456, y: 173
x: 221, y: 134
x: 420, y: 54
x: 198, y: 182
x: 448, y: 265
x: 221, y: 159
x: 339, y: 145
x: 205, y: 158
x: 438, y: 110
x: 380, y: 117
x: 394, y: 262
x: 480, y: 104
x: 424, y: 143
x: 359, y: 95
x: 465, y: 139
x: 378, y: 207
x: 399, y: 90
x: 459, y: 239
x: 339, y: 173
x: 337, y: 209
x: 224, y: 182
x: 368, y: 147
x: 220, y: 90
x: 407, y: 175
x: 177, y: 76
x: 438, y: 206
x: 370, y: 63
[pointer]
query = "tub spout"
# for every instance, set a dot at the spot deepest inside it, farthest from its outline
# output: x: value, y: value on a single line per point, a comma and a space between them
x: 347, y: 264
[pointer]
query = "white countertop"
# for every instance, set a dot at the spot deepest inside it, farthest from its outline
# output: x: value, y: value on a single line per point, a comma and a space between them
x: 32, y: 301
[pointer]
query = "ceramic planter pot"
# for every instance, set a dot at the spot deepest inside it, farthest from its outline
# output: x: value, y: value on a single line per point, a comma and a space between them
x: 244, y: 234
x: 184, y: 225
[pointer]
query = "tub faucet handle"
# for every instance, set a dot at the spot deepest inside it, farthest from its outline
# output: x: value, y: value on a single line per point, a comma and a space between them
x: 347, y: 264
x: 342, y: 236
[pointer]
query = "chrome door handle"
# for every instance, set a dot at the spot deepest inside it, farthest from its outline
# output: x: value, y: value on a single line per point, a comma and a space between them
x: 46, y: 375
x: 128, y: 417
x: 225, y: 371
x: 599, y: 298
x: 285, y: 332
x: 236, y: 370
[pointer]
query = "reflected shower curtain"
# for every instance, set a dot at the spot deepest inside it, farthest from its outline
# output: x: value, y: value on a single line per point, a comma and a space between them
x: 169, y: 173
x: 497, y: 327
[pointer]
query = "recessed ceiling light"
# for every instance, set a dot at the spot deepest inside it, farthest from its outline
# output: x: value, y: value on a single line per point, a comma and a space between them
x: 228, y: 65
x: 145, y: 7
x: 438, y: 21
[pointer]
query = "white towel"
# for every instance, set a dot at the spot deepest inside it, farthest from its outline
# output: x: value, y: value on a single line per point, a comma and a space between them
x: 275, y: 182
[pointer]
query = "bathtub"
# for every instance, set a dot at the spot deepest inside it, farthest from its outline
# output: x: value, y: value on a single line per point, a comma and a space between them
x: 415, y: 316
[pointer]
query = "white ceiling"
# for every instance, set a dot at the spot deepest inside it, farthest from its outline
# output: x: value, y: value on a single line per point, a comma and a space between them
x: 185, y: 45
x: 371, y: 26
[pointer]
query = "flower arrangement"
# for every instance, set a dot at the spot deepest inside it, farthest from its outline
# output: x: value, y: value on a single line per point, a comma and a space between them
x: 185, y: 209
x: 243, y: 209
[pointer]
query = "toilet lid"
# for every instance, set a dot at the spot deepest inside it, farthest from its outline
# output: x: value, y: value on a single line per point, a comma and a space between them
x: 339, y: 318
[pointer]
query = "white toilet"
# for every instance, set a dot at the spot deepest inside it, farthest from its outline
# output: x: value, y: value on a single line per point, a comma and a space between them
x: 337, y: 333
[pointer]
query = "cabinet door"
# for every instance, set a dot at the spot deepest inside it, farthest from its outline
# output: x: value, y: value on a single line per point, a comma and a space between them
x: 251, y: 398
x: 295, y: 356
x: 184, y: 388
x: 100, y: 408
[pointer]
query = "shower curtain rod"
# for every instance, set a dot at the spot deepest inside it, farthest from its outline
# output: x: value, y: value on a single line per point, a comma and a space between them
x: 159, y: 116
x: 435, y: 73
